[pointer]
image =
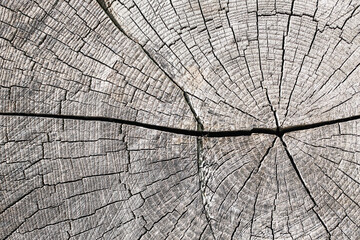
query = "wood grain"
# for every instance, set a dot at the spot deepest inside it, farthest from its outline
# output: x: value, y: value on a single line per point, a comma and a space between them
x: 179, y: 119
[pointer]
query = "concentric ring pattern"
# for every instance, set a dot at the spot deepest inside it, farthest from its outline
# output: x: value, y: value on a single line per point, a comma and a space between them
x: 227, y: 67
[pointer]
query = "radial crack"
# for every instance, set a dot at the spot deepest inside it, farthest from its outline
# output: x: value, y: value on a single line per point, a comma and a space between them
x: 304, y: 185
x: 202, y: 182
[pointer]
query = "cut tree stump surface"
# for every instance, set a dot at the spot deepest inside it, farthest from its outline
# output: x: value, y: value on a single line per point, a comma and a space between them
x: 179, y: 119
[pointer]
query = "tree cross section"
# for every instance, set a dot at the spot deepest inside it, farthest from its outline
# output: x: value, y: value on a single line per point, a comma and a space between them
x: 179, y: 119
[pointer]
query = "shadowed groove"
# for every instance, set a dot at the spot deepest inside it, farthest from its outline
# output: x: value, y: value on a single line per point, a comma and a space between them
x: 197, y: 133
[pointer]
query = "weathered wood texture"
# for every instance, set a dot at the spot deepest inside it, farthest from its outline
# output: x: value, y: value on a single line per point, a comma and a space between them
x: 93, y: 180
x: 289, y: 69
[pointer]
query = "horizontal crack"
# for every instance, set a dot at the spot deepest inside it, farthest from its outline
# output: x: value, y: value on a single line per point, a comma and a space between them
x: 198, y: 133
x: 284, y: 130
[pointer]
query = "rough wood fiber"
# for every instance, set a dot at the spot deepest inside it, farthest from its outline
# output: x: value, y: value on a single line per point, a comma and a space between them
x: 97, y: 180
x: 179, y: 119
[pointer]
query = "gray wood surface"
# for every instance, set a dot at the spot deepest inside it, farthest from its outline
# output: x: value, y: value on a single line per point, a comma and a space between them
x: 179, y: 119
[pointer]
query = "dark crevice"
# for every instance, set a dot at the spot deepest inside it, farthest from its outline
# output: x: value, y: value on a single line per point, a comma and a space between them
x: 295, y: 128
x: 282, y: 65
x: 200, y: 126
x: 304, y: 185
x: 197, y: 133
x: 297, y: 170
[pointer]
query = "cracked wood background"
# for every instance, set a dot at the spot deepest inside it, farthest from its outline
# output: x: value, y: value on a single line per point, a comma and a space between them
x: 179, y: 119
